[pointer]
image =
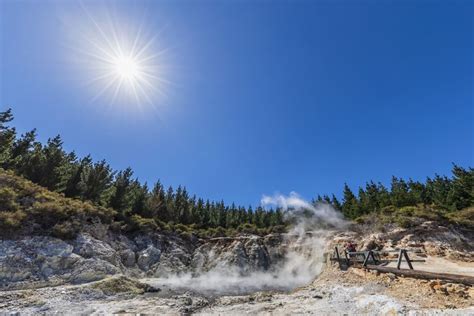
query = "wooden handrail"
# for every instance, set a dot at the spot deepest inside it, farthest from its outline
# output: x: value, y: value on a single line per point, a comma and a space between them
x: 464, y: 279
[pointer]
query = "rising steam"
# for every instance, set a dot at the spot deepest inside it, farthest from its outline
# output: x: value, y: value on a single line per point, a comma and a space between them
x: 302, y: 261
x: 306, y: 215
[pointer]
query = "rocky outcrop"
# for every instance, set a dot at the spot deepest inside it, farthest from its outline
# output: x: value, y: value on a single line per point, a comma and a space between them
x: 429, y: 237
x: 246, y: 254
x: 90, y: 257
x: 148, y: 257
x: 88, y: 247
x: 40, y: 259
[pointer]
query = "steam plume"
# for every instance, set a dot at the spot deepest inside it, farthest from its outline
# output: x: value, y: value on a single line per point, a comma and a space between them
x: 307, y: 215
x: 303, y: 259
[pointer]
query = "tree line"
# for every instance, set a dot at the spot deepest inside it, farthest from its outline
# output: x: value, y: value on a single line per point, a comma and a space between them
x: 447, y: 194
x: 50, y: 166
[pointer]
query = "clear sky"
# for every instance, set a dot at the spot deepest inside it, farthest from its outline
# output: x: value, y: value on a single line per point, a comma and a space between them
x: 258, y: 97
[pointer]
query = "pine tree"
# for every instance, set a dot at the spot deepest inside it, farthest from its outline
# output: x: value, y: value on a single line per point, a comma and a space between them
x: 438, y: 190
x: 139, y: 198
x: 371, y: 197
x: 335, y: 203
x: 157, y: 204
x: 170, y: 205
x: 461, y: 192
x: 399, y: 192
x: 350, y: 204
x: 222, y: 216
x: 383, y: 197
x: 20, y: 152
x: 417, y: 192
x: 96, y: 181
x: 206, y: 216
x: 73, y: 183
x: 121, y: 197
x: 250, y: 215
x: 56, y: 165
x: 7, y: 137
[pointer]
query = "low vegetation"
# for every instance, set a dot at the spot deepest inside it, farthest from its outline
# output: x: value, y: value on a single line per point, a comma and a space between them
x: 121, y: 284
x: 27, y: 206
x: 411, y: 216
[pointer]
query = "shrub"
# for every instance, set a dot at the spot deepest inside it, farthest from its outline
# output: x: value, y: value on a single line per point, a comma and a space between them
x: 403, y: 221
x: 66, y: 230
x: 181, y: 228
x: 278, y: 229
x: 248, y: 228
x: 142, y: 224
x: 24, y: 204
x: 12, y: 220
x: 122, y: 284
x: 186, y: 235
x: 463, y: 217
x: 8, y: 200
x: 116, y: 226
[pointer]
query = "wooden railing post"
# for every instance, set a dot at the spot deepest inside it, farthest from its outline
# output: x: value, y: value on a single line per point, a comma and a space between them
x: 399, y: 262
x: 337, y: 254
x: 366, y: 260
x: 405, y: 254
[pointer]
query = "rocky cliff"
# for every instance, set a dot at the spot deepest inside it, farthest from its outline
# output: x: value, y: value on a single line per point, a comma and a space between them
x: 95, y: 254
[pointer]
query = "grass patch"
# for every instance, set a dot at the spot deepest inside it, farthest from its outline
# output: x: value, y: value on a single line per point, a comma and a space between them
x: 411, y: 216
x: 121, y: 284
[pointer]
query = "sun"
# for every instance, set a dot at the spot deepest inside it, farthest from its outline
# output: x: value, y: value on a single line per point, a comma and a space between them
x: 127, y: 68
x: 124, y: 61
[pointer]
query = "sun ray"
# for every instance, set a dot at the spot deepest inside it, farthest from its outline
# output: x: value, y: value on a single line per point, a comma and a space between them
x: 104, y: 89
x: 123, y: 59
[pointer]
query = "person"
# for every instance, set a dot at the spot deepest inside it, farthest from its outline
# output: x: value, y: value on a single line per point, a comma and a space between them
x: 351, y: 247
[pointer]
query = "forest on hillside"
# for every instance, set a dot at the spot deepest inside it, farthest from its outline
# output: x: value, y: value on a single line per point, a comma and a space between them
x: 82, y: 178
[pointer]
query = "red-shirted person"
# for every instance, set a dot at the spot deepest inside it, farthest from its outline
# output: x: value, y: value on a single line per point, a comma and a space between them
x: 351, y: 247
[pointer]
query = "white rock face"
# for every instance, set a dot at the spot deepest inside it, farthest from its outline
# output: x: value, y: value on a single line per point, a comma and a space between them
x: 429, y: 237
x: 34, y: 258
x: 148, y: 257
x: 88, y: 247
x: 128, y: 258
x: 45, y: 260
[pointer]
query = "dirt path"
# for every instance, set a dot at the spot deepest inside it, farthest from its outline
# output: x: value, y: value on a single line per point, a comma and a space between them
x: 441, y: 265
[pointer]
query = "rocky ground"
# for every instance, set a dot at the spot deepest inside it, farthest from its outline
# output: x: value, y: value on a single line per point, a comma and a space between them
x: 99, y: 272
x: 353, y: 292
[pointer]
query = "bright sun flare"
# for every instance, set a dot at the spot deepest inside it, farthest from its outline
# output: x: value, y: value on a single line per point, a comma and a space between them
x: 125, y: 66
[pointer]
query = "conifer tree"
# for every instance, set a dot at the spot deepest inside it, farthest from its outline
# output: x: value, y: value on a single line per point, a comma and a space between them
x: 7, y: 137
x: 335, y: 203
x: 72, y: 188
x: 120, y: 199
x: 461, y: 192
x: 96, y: 180
x: 350, y: 207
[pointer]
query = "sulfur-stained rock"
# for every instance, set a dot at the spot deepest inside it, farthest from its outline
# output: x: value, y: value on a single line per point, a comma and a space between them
x: 470, y: 292
x: 89, y: 247
x: 89, y: 270
x: 148, y: 257
x: 128, y: 258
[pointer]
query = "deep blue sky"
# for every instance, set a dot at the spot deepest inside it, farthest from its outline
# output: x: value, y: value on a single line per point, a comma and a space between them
x: 265, y: 97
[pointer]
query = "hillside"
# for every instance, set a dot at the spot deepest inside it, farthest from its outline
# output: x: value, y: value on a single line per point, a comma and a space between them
x: 29, y: 209
x: 118, y: 198
x: 51, y: 242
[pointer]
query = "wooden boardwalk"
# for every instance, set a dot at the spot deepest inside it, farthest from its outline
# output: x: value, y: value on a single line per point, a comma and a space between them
x: 371, y: 260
